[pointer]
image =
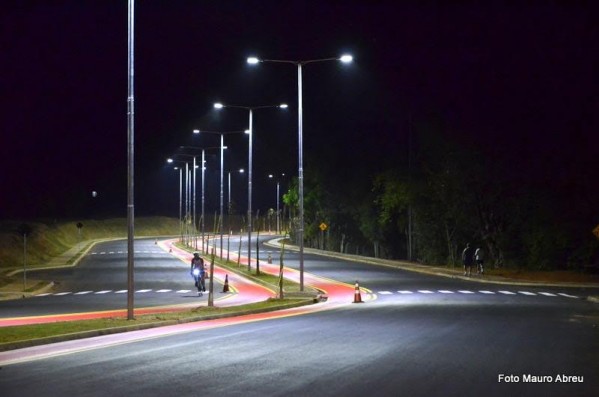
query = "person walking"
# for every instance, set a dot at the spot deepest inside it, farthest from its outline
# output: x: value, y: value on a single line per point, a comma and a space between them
x: 479, y: 256
x: 468, y: 259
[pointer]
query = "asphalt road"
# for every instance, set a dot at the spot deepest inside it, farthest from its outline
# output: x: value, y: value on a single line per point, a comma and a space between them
x: 420, y: 336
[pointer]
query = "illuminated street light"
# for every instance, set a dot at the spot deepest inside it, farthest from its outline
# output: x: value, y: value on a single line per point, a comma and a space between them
x: 250, y: 109
x: 345, y: 58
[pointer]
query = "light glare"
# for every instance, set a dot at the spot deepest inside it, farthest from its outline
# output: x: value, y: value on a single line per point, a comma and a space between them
x: 253, y: 60
x: 218, y: 105
x: 346, y: 58
x: 283, y: 106
x: 196, y: 131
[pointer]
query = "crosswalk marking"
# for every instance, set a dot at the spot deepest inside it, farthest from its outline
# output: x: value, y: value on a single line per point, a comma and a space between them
x: 567, y: 295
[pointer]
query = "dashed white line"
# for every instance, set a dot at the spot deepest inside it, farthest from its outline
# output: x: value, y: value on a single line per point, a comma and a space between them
x: 507, y: 292
x: 547, y: 294
x: 463, y: 291
x: 103, y: 292
x: 444, y: 291
x: 568, y: 296
x: 121, y: 291
x: 183, y: 291
x: 487, y: 292
x: 63, y: 293
x: 164, y: 290
x: 385, y: 292
x: 425, y: 291
x: 141, y: 291
x: 405, y: 292
x: 527, y: 293
x: 83, y: 293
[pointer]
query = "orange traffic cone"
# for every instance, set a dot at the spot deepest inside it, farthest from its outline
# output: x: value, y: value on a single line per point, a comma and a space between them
x: 357, y: 295
x: 226, y: 286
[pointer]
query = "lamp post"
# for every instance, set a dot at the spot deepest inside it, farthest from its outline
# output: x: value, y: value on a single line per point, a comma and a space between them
x: 271, y: 176
x: 222, y: 149
x: 300, y: 64
x: 250, y: 109
x: 170, y: 161
x: 203, y: 199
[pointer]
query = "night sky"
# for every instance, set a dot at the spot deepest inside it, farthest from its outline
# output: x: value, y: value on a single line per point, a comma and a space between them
x: 516, y: 81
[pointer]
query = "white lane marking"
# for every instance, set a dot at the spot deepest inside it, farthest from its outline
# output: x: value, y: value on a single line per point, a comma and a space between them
x: 83, y: 293
x: 46, y: 294
x: 568, y: 296
x: 141, y: 291
x: 487, y: 292
x: 111, y: 252
x: 507, y: 293
x: 103, y: 292
x: 425, y: 291
x: 462, y: 291
x: 405, y: 292
x: 385, y: 292
x: 94, y: 253
x: 183, y: 291
x: 527, y: 293
x: 121, y: 291
x: 444, y: 291
x: 102, y: 253
x: 547, y: 294
x: 164, y: 290
x: 62, y: 293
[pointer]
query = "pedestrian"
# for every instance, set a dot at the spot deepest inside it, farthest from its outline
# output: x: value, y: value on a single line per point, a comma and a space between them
x: 468, y: 259
x: 479, y: 256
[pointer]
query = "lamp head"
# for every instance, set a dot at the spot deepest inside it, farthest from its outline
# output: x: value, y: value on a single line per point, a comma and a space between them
x: 346, y: 58
x: 218, y: 105
x: 253, y: 60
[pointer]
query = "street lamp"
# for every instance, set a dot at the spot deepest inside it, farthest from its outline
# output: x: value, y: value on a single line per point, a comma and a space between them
x: 202, y: 223
x: 250, y: 109
x: 271, y: 176
x: 187, y: 201
x: 344, y: 59
x: 222, y: 149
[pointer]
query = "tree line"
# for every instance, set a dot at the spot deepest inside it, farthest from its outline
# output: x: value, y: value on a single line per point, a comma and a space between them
x: 445, y: 193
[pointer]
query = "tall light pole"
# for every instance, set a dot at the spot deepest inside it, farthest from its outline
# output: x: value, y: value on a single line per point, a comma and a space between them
x: 271, y: 176
x: 222, y: 156
x: 250, y: 109
x: 299, y: 64
x: 130, y: 161
x: 170, y: 161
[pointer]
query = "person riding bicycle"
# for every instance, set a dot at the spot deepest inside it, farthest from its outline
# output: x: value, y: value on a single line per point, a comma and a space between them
x: 198, y: 272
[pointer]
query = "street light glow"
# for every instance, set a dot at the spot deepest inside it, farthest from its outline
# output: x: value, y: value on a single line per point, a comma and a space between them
x: 253, y: 60
x: 169, y: 160
x: 196, y: 131
x: 218, y: 105
x: 283, y: 106
x: 346, y: 58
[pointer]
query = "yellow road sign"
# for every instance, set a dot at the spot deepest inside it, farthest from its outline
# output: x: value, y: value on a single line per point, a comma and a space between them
x: 323, y: 226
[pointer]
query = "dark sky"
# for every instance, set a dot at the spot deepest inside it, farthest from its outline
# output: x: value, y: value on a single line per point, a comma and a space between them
x: 518, y: 81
